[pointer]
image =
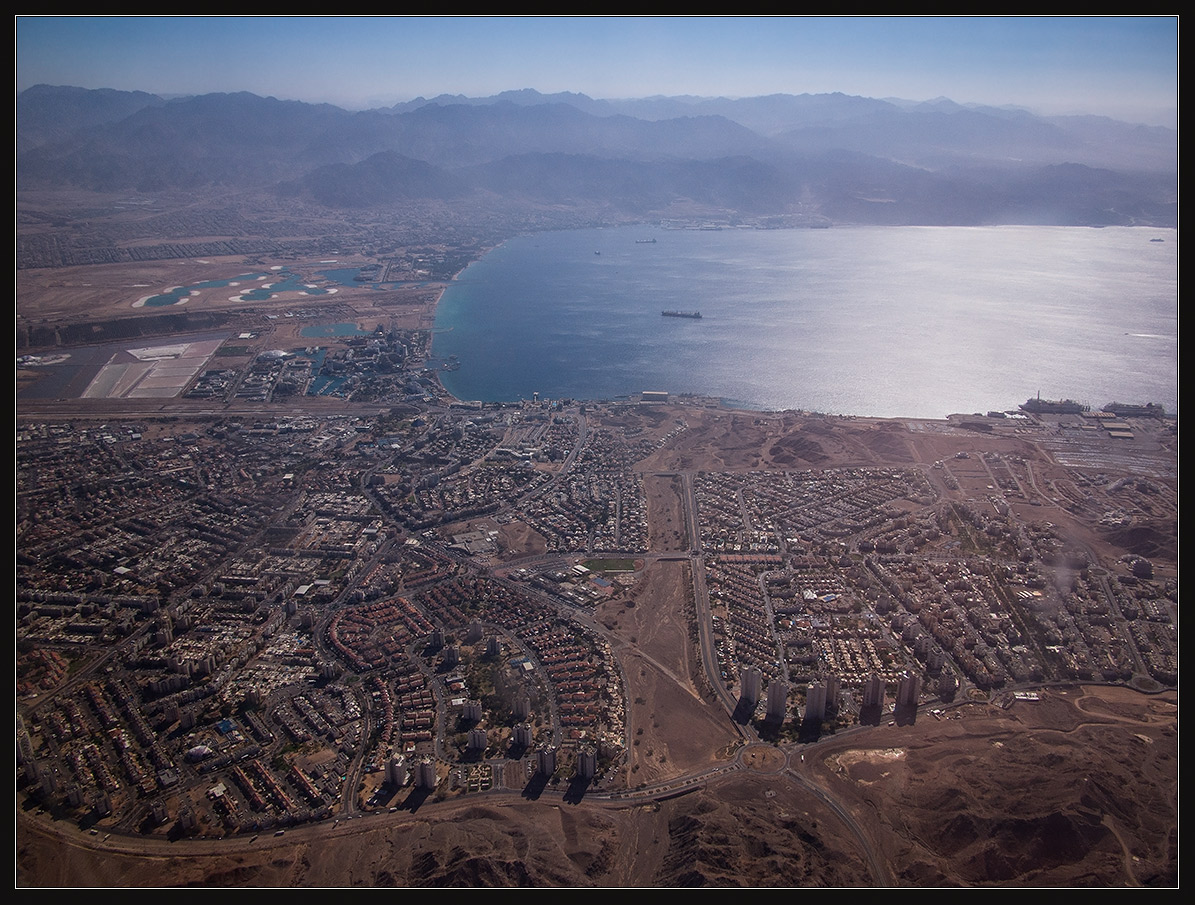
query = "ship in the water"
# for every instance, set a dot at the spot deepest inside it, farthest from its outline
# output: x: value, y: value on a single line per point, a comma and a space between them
x: 1129, y: 410
x: 1054, y: 406
x: 696, y: 315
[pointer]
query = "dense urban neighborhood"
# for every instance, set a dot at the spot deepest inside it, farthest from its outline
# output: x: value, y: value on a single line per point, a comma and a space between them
x: 262, y: 614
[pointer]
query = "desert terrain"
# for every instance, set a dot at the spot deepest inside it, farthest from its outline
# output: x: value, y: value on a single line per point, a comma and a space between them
x: 1077, y: 789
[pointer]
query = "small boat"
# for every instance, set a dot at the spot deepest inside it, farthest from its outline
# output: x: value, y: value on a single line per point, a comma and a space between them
x: 695, y: 315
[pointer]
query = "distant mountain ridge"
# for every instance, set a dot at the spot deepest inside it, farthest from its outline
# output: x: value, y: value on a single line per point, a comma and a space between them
x: 829, y: 157
x: 46, y: 114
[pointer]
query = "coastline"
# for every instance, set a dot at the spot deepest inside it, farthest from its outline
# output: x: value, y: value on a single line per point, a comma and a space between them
x: 433, y: 312
x: 930, y: 376
x: 990, y: 461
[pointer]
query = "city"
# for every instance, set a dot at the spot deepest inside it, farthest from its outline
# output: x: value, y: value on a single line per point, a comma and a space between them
x: 243, y: 612
x: 596, y: 452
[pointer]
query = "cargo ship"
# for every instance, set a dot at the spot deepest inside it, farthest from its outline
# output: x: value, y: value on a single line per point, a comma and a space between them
x: 696, y: 315
x: 1054, y: 406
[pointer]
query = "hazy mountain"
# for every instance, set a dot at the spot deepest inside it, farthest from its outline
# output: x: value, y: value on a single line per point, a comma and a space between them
x: 740, y: 184
x: 385, y: 178
x: 1129, y: 146
x: 769, y: 114
x: 463, y: 135
x: 527, y: 97
x: 46, y: 113
x: 214, y: 139
x: 938, y: 129
x: 818, y: 157
x: 932, y: 138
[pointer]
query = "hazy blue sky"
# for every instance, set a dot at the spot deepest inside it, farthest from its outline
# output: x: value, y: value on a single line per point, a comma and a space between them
x: 1117, y: 66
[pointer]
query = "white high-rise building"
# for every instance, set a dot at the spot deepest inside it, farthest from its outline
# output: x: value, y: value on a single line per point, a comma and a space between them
x: 586, y: 763
x: 833, y: 690
x: 909, y: 690
x: 522, y: 708
x: 873, y: 691
x: 751, y: 681
x: 546, y: 761
x: 777, y: 699
x: 815, y: 702
x: 159, y: 813
x: 425, y: 774
x: 396, y: 771
x: 936, y: 659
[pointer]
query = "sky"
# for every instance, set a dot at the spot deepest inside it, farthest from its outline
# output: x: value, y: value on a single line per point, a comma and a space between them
x: 1124, y: 67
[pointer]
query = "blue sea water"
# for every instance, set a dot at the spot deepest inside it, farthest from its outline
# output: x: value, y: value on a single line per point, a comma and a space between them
x: 878, y: 321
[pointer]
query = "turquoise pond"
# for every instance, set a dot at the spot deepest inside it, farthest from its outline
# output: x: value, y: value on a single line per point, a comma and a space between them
x: 283, y: 282
x: 179, y: 294
x: 260, y: 287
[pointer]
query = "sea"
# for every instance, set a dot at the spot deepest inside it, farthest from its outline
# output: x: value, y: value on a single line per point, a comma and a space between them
x: 915, y: 322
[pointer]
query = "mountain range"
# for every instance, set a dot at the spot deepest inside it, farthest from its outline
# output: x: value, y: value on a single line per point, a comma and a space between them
x: 817, y: 159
